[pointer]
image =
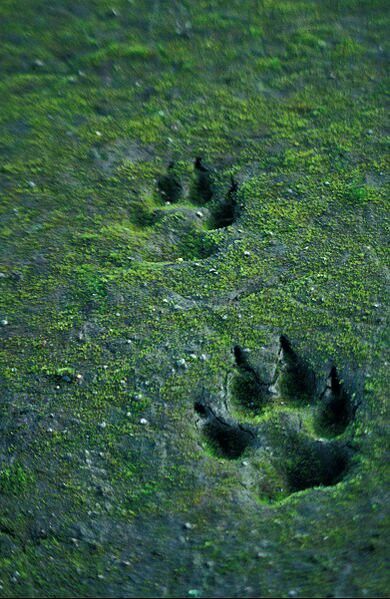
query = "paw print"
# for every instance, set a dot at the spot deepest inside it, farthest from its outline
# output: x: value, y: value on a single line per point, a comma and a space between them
x: 283, y: 418
x: 190, y: 203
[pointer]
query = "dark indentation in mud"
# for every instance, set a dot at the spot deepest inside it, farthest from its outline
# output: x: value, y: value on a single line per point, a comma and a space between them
x: 296, y: 380
x: 310, y: 463
x: 335, y: 412
x: 226, y: 212
x: 203, y: 187
x: 226, y: 439
x: 169, y: 186
x: 200, y: 409
x: 247, y: 388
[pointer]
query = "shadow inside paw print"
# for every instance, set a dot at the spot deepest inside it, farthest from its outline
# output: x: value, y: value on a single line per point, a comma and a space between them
x: 283, y: 404
x: 228, y: 439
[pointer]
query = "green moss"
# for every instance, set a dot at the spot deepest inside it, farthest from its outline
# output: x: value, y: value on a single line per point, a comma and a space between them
x: 102, y: 279
x: 15, y: 480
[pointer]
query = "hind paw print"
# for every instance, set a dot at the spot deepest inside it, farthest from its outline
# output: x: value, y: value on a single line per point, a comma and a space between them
x: 286, y: 421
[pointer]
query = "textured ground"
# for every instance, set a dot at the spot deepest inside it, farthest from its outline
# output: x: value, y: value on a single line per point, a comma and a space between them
x: 193, y: 353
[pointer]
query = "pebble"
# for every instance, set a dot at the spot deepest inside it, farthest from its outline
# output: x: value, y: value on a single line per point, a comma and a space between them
x: 103, y: 424
x: 199, y: 213
x: 4, y: 322
x: 246, y: 253
x: 181, y: 363
x: 143, y: 421
x: 203, y: 357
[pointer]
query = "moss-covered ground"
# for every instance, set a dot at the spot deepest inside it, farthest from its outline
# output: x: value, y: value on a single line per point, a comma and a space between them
x: 119, y: 311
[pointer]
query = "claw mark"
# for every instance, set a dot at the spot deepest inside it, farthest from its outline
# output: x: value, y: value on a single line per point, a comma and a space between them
x: 203, y: 185
x: 335, y: 405
x: 226, y: 212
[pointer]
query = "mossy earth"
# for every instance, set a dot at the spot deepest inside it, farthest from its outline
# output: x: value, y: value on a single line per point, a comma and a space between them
x: 121, y: 314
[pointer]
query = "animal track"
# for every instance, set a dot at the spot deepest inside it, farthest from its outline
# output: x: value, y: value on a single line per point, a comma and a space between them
x: 282, y: 404
x: 190, y: 205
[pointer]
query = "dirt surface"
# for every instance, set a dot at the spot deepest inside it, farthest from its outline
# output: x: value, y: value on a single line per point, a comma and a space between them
x: 193, y: 291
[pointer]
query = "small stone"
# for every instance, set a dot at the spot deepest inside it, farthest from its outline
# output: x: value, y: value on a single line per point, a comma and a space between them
x: 199, y: 213
x: 203, y: 357
x: 98, y: 133
x: 292, y: 593
x: 4, y: 322
x: 143, y: 421
x: 181, y: 363
x: 246, y: 253
x: 370, y: 131
x: 32, y: 184
x: 103, y: 424
x: 39, y: 63
x: 188, y: 525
